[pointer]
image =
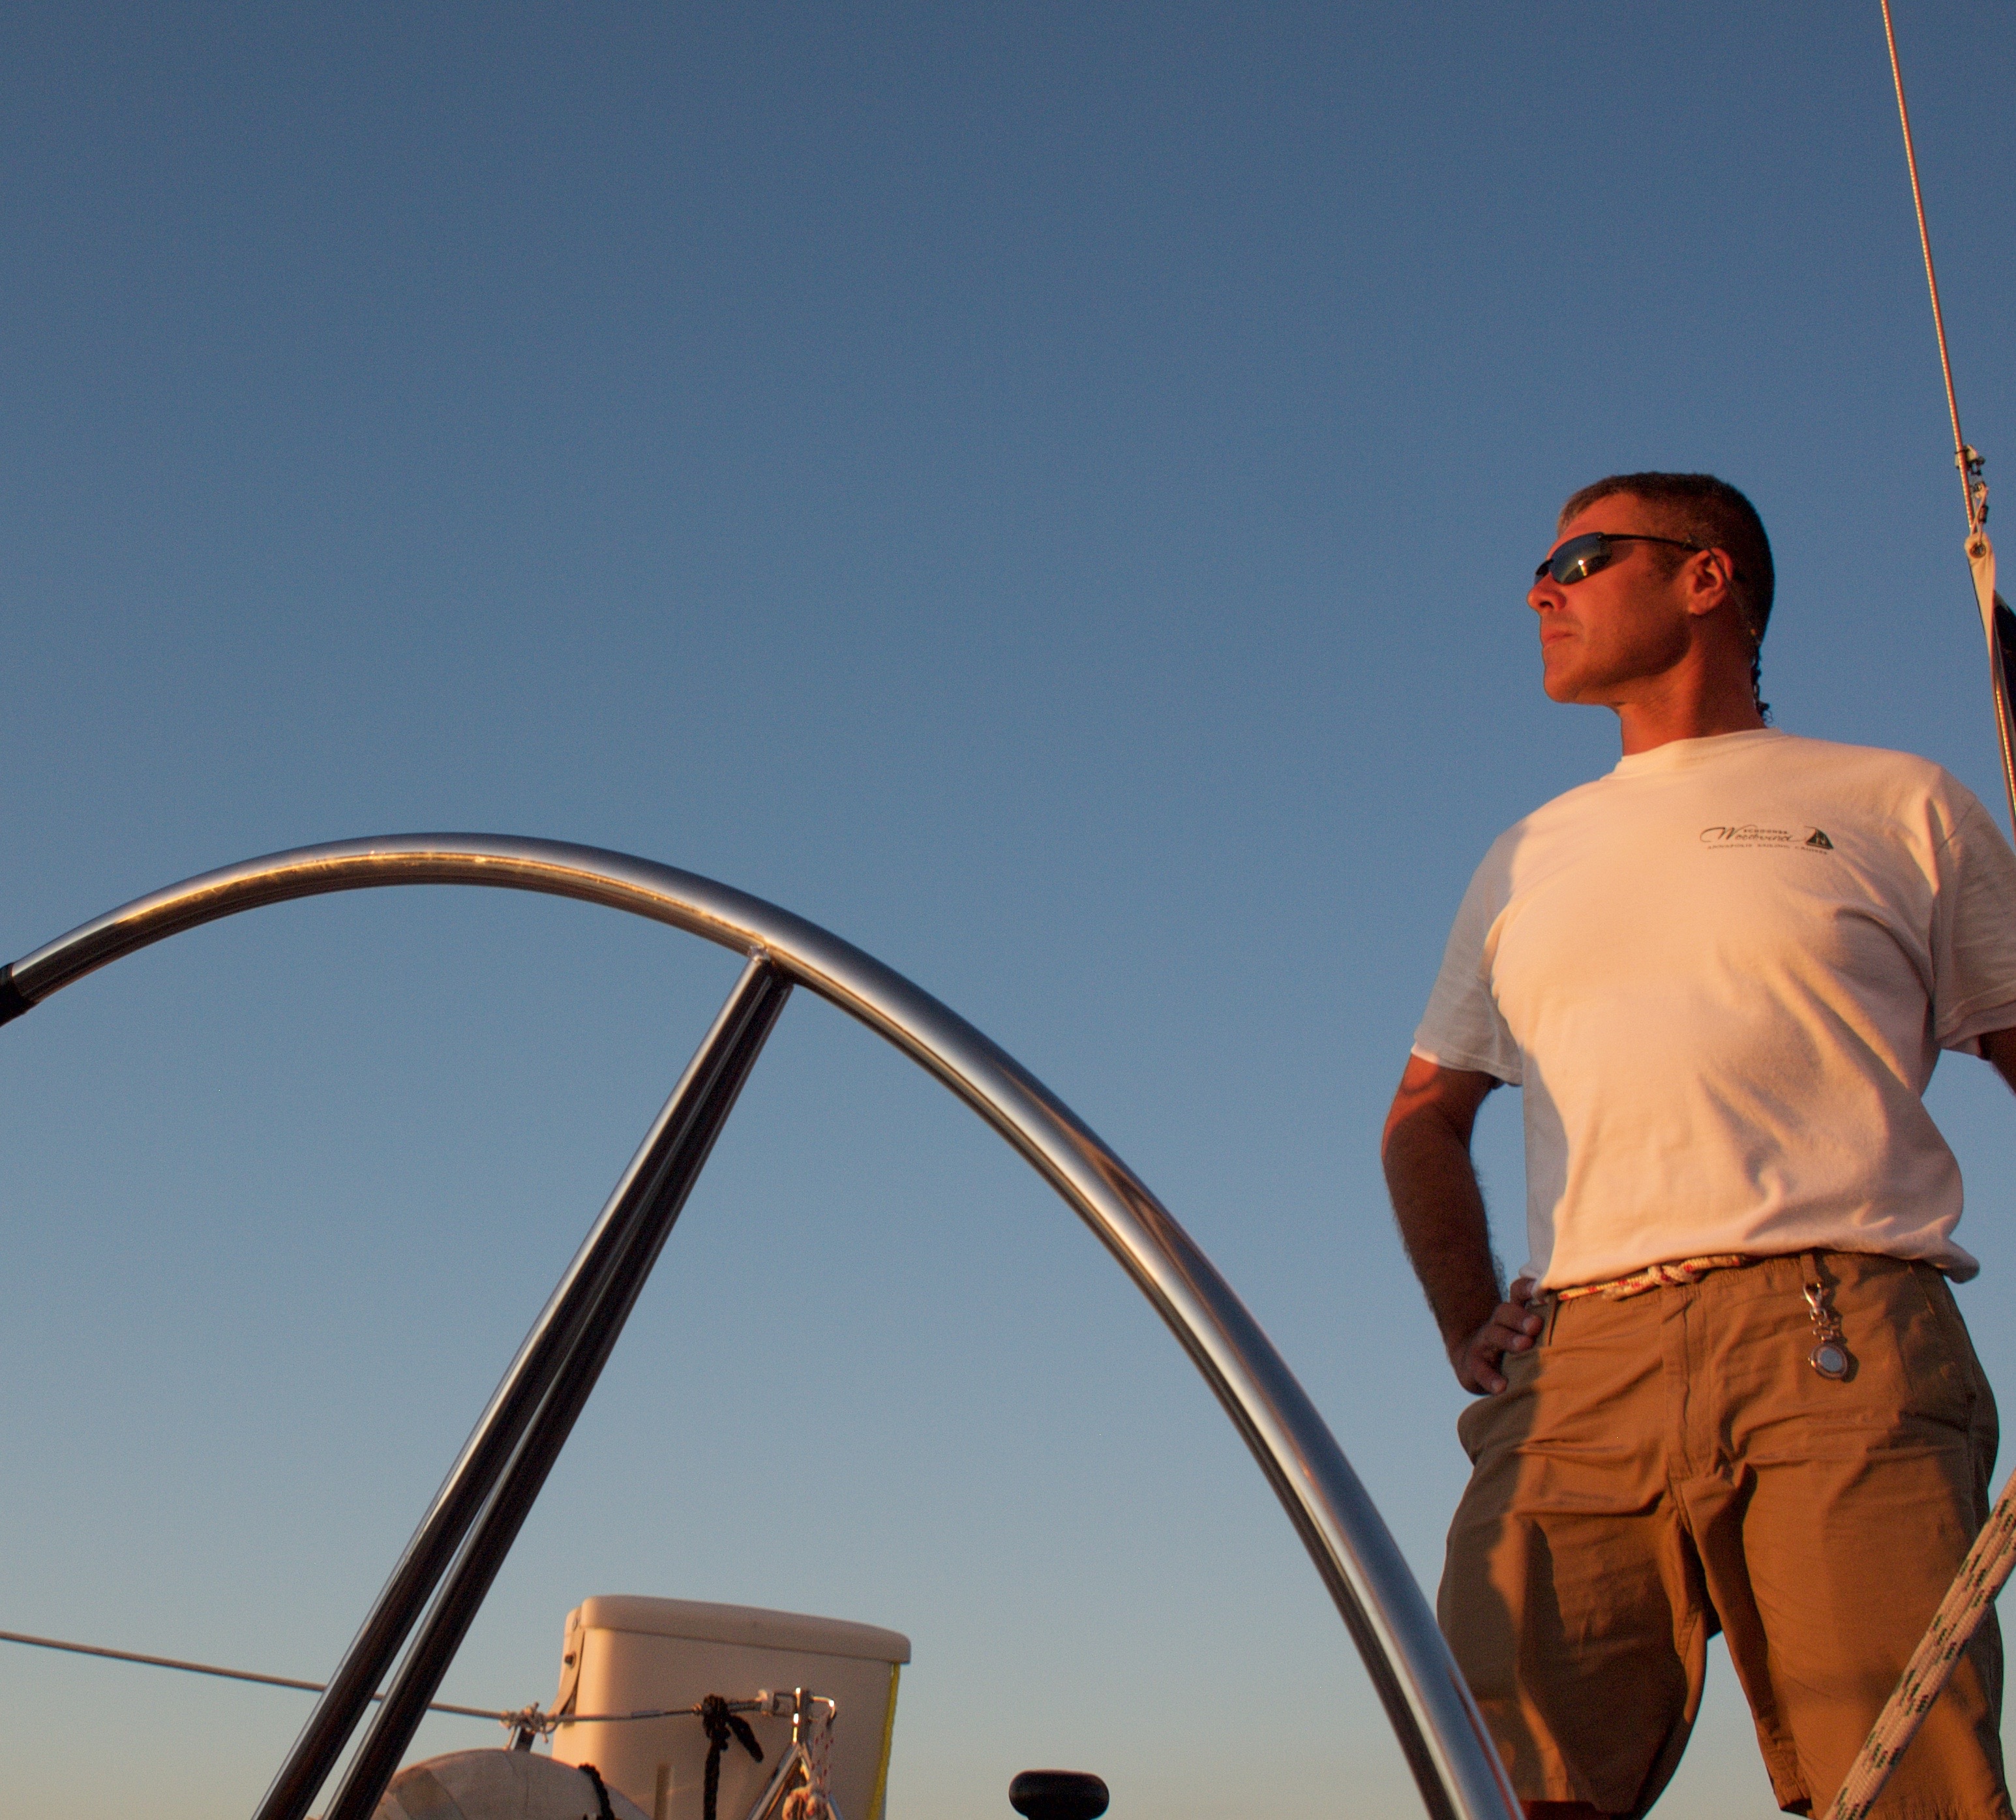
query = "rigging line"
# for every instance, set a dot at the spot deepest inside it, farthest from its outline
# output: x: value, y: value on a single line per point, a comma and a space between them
x: 1960, y: 450
x: 223, y: 1674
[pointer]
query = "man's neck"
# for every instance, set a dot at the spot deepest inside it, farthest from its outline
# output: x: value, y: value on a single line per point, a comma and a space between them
x: 1663, y: 715
x: 1644, y: 733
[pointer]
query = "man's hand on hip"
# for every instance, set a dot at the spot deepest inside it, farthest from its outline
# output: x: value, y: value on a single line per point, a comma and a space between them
x: 1514, y: 1326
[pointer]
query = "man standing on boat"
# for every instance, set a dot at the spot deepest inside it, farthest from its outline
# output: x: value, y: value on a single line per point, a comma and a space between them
x: 1730, y: 1389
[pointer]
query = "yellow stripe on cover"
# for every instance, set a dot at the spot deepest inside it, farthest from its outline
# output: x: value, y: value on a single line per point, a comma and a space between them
x: 888, y: 1740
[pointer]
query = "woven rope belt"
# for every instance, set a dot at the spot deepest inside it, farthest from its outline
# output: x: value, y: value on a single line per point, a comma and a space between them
x: 1677, y: 1274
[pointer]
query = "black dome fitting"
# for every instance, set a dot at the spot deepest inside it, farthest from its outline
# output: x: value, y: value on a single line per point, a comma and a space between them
x: 1057, y: 1794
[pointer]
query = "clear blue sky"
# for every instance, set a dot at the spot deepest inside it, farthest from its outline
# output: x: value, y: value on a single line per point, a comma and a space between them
x: 1045, y: 491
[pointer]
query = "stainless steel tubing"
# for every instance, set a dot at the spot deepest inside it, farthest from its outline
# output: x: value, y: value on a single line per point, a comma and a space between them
x: 1438, y: 1725
x: 552, y: 1351
x: 657, y: 1182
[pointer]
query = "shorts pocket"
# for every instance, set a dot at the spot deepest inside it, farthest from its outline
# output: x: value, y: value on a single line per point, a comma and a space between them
x: 1945, y: 1376
x: 1914, y: 1363
x: 1504, y: 1418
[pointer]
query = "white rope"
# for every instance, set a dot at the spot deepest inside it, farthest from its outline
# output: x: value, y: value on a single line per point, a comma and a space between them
x: 1967, y: 1603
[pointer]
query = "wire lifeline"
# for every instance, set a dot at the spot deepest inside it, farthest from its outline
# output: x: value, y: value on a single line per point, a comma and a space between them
x: 531, y: 1720
x: 1996, y: 620
x: 1974, y: 494
x: 222, y: 1674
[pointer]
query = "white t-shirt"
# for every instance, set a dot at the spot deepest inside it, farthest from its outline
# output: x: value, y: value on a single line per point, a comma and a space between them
x: 1721, y: 975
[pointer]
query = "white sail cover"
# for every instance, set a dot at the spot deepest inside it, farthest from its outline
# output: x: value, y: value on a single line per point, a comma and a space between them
x: 497, y: 1784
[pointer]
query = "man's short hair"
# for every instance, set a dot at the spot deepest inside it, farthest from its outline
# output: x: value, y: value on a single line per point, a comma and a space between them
x: 1708, y: 512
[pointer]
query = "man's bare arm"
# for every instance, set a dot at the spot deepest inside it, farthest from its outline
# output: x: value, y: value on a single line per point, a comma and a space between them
x: 1440, y: 1210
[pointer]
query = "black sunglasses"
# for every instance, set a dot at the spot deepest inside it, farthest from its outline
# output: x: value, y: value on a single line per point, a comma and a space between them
x: 1580, y: 557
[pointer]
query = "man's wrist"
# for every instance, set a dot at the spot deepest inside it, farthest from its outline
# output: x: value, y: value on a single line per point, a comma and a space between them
x: 1461, y: 1329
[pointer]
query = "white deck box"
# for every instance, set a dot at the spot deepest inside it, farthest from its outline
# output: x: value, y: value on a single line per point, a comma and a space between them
x: 629, y: 1654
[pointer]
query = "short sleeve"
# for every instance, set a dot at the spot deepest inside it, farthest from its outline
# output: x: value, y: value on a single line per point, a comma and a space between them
x: 1974, y: 928
x: 1462, y: 1026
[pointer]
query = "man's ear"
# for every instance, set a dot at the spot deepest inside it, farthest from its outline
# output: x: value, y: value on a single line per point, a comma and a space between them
x: 1709, y: 576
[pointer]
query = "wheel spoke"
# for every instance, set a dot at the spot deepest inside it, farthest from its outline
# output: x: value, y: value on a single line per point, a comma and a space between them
x: 476, y: 1516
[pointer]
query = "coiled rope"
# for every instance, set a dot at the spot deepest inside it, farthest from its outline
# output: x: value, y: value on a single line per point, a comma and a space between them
x: 1971, y: 1596
x: 601, y: 1790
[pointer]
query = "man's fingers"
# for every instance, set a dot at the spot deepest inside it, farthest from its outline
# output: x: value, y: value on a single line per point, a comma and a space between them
x: 1514, y: 1326
x: 1476, y: 1362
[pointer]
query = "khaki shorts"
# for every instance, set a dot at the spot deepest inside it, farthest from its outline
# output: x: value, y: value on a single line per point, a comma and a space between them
x: 1660, y: 1468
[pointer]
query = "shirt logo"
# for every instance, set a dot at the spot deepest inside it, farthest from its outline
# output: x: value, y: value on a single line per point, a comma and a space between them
x: 1753, y: 834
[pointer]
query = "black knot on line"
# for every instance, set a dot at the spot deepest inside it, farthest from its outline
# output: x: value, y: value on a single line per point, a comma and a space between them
x: 720, y: 1725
